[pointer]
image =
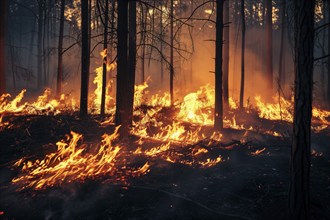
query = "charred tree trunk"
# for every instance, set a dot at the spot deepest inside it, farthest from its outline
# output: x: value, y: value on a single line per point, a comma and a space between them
x: 218, y: 113
x: 241, y: 97
x: 40, y: 36
x: 122, y: 96
x: 161, y: 47
x: 171, y: 52
x: 299, y: 200
x: 59, y: 53
x: 131, y: 59
x: 269, y: 44
x: 3, y: 14
x: 226, y: 54
x: 84, y: 58
x: 281, y: 74
x: 105, y: 58
x: 328, y: 92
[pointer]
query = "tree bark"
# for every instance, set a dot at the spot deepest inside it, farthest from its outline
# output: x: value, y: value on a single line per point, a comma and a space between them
x: 131, y: 59
x: 171, y: 52
x: 299, y: 199
x: 40, y: 38
x: 59, y: 53
x: 241, y: 97
x: 218, y: 113
x: 105, y: 48
x: 122, y: 69
x: 328, y: 92
x: 226, y: 54
x: 269, y: 44
x: 84, y: 58
x: 3, y: 18
x: 281, y: 73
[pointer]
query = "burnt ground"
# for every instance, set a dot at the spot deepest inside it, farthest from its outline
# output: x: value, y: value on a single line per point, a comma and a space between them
x: 244, y: 186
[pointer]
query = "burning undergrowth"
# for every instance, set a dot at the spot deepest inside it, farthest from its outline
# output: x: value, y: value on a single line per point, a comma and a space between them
x: 181, y: 134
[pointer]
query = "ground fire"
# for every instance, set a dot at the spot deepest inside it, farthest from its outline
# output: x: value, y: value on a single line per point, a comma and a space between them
x: 164, y: 109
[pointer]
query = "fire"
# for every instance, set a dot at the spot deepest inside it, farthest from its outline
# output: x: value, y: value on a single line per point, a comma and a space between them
x: 178, y: 137
x: 98, y: 90
x: 72, y: 162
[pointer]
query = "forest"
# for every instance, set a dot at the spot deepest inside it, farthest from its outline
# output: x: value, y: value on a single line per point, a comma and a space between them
x: 165, y: 109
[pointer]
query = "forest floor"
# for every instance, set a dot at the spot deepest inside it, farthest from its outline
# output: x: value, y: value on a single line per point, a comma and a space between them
x: 243, y: 186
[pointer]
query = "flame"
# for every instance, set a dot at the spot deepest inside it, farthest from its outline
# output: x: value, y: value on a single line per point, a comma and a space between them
x: 72, y: 162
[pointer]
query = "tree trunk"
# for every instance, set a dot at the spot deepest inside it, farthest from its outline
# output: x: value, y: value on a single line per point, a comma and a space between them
x: 122, y: 68
x: 218, y: 113
x: 226, y: 54
x: 300, y: 153
x: 84, y: 58
x: 105, y: 48
x: 269, y: 45
x: 281, y: 74
x: 131, y: 59
x: 241, y: 97
x: 3, y: 18
x: 59, y: 53
x: 171, y: 52
x: 161, y: 47
x: 328, y: 1
x: 40, y: 36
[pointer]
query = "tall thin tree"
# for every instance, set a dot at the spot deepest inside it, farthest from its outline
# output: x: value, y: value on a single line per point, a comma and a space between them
x: 131, y: 59
x: 172, y: 52
x: 299, y: 199
x: 41, y: 4
x: 269, y: 44
x: 84, y: 58
x: 105, y: 48
x: 241, y: 97
x: 226, y: 54
x: 281, y: 75
x: 3, y: 15
x: 218, y: 113
x: 59, y: 53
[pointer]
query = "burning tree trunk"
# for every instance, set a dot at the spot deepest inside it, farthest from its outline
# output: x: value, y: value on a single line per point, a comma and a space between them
x: 269, y: 44
x: 171, y: 52
x: 241, y: 98
x: 226, y: 54
x: 300, y: 152
x: 84, y: 58
x: 3, y: 14
x: 41, y: 4
x: 105, y: 48
x: 59, y: 55
x: 218, y: 113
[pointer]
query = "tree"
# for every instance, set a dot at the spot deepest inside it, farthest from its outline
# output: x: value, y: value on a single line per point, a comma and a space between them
x: 328, y: 56
x: 241, y: 97
x: 41, y: 5
x: 171, y: 52
x: 299, y: 200
x: 131, y: 59
x: 125, y: 74
x: 226, y: 54
x: 269, y: 44
x: 105, y: 48
x: 59, y: 54
x: 218, y: 113
x: 281, y: 74
x: 84, y: 58
x: 3, y: 14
